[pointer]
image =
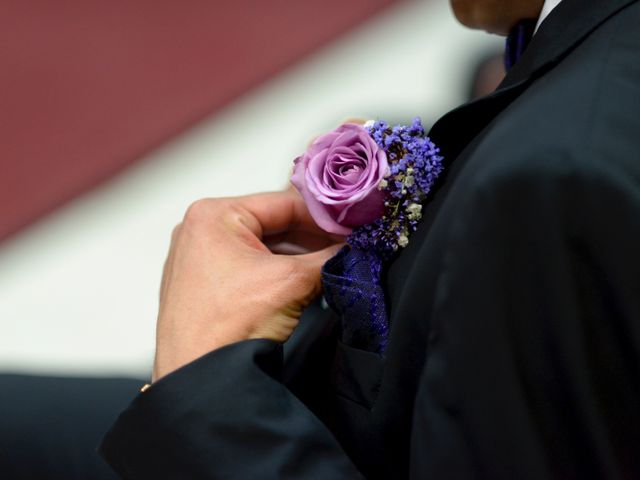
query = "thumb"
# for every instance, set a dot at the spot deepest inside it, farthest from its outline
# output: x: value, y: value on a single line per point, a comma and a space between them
x: 315, y: 260
x: 312, y: 264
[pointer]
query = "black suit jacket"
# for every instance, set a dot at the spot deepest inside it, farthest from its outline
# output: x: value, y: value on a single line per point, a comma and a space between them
x: 514, y: 348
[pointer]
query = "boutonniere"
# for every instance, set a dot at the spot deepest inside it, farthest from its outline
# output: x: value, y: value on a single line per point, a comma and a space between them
x: 369, y: 182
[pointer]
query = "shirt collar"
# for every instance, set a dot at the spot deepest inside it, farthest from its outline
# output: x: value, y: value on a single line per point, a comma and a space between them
x: 548, y: 6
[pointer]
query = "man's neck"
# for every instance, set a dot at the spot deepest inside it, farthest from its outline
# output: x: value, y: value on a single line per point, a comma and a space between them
x: 548, y: 6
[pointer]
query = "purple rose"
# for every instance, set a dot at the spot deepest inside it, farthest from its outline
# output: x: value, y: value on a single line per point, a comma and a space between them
x: 339, y: 177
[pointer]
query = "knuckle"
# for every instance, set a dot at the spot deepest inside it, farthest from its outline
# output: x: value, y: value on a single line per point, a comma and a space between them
x: 196, y: 211
x: 231, y: 210
x: 202, y: 210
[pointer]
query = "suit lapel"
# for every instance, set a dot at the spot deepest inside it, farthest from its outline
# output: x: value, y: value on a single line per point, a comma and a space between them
x: 567, y: 26
x: 457, y: 131
x: 456, y: 134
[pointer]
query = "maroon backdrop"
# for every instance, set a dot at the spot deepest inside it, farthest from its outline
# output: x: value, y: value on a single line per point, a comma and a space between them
x: 88, y: 86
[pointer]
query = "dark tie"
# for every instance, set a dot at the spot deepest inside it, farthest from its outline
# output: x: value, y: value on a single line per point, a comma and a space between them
x: 517, y: 42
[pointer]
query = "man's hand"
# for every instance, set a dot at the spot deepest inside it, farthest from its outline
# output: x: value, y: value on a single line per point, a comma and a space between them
x: 223, y: 284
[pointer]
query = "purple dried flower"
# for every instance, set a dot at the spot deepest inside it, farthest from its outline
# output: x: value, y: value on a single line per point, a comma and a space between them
x: 414, y: 166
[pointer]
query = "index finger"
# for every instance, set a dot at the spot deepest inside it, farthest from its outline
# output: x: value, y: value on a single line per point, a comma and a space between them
x: 279, y: 212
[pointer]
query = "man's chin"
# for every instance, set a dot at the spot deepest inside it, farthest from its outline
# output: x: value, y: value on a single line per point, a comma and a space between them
x: 492, y: 16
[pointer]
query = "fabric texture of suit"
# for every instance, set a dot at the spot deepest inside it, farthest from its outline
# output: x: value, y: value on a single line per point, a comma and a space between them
x: 514, y: 349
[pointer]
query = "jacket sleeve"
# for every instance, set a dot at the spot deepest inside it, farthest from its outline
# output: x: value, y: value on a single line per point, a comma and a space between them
x: 225, y: 415
x: 534, y: 357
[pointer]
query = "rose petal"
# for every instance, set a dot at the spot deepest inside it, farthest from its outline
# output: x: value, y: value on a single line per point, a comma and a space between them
x: 338, y: 177
x: 366, y: 211
x: 325, y: 219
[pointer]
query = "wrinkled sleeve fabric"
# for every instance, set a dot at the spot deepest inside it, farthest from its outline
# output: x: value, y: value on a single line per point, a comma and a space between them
x: 534, y: 358
x: 225, y: 415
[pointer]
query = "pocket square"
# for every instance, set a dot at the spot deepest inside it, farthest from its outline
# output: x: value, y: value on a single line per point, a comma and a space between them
x: 352, y: 287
